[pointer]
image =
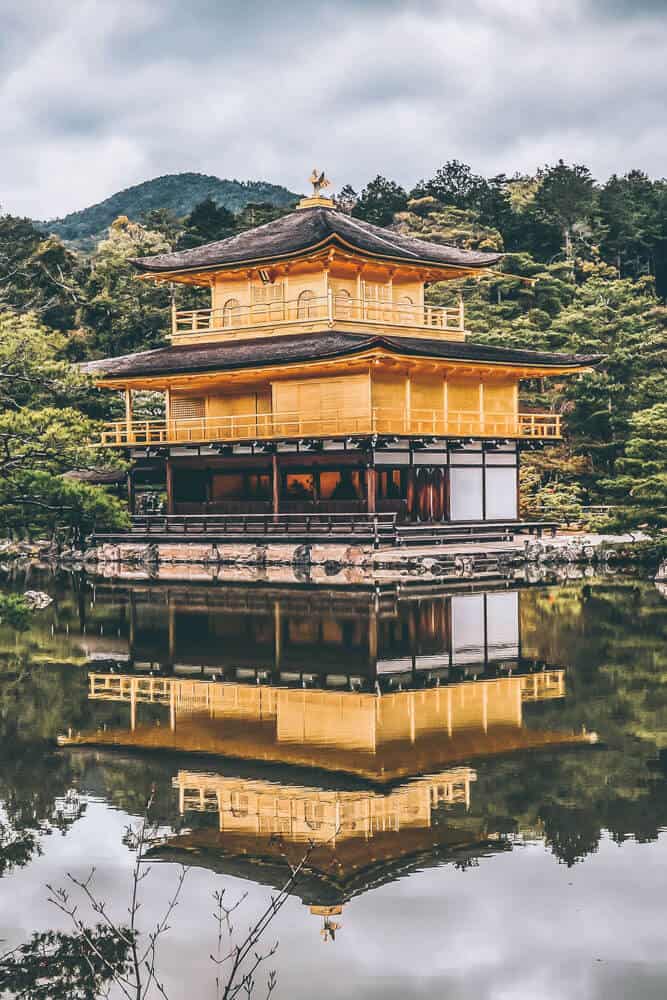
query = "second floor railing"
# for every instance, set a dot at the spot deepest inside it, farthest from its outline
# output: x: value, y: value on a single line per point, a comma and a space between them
x: 327, y: 308
x: 332, y: 423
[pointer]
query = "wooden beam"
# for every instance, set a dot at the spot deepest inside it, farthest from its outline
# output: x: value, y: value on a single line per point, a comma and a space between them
x: 169, y: 475
x: 275, y: 483
x: 128, y: 413
x: 371, y: 489
x: 130, y: 491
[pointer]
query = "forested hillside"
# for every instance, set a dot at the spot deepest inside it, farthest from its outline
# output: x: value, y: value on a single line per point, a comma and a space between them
x: 174, y: 193
x: 585, y: 271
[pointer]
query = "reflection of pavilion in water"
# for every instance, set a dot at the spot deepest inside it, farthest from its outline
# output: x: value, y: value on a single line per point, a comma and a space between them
x: 333, y: 639
x: 378, y: 737
x: 353, y: 840
x: 394, y: 701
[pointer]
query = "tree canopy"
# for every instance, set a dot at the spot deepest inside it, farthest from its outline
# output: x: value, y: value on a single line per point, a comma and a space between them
x: 47, y: 425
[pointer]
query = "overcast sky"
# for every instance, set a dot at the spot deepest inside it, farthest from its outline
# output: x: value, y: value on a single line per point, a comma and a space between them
x: 96, y: 95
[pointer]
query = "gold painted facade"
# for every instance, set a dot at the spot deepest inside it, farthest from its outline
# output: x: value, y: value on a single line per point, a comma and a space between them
x: 379, y: 738
x: 370, y: 395
x: 305, y: 814
x: 376, y: 393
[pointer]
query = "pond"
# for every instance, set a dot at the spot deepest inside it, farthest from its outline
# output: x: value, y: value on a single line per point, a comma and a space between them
x: 473, y: 783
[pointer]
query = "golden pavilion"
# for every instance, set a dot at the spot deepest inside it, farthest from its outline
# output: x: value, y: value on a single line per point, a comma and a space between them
x: 320, y: 380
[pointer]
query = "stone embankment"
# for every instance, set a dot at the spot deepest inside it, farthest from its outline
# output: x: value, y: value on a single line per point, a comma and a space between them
x: 337, y: 563
x: 357, y: 563
x: 42, y: 551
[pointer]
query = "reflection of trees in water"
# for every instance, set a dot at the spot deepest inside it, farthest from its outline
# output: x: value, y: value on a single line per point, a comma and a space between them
x: 17, y: 848
x: 32, y: 700
x: 56, y: 966
x: 571, y: 833
x: 123, y: 956
x: 610, y: 635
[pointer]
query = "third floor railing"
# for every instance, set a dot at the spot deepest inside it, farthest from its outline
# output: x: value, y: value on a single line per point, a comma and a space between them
x: 326, y: 308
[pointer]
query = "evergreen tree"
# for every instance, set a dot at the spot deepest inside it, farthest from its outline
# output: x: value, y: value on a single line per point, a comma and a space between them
x: 633, y: 222
x: 121, y: 313
x: 206, y: 223
x: 379, y: 201
x: 565, y: 198
x: 453, y: 184
x: 346, y: 199
x: 257, y: 214
x: 641, y: 486
x: 45, y: 431
x: 39, y: 275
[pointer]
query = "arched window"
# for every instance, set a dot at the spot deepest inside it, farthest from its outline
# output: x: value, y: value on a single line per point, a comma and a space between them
x: 230, y: 312
x: 343, y: 303
x: 305, y: 307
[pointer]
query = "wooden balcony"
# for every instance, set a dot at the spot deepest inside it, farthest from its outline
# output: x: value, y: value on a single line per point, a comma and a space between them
x: 327, y: 310
x: 333, y: 424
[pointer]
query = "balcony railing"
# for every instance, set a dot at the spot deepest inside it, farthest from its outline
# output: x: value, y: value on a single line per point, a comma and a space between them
x: 334, y: 423
x: 327, y: 308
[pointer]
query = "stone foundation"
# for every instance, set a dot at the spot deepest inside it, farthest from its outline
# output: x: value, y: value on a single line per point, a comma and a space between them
x: 194, y: 554
x: 357, y: 564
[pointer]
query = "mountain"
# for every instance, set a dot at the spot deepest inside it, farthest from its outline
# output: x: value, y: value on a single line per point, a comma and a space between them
x: 177, y: 192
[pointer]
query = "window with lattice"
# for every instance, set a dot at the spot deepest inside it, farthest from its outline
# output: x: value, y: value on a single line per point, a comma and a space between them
x: 374, y: 292
x: 267, y: 293
x: 187, y: 408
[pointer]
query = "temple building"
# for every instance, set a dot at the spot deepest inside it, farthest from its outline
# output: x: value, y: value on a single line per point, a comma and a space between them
x: 320, y: 380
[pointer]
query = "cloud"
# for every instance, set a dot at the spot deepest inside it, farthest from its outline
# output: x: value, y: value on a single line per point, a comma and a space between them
x: 98, y: 96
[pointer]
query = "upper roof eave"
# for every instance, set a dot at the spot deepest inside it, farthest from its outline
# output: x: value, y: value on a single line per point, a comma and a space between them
x: 307, y: 252
x: 305, y: 232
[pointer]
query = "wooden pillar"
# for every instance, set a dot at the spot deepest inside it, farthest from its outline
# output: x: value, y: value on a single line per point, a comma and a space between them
x: 169, y: 473
x: 482, y: 424
x: 128, y: 415
x: 130, y: 491
x: 167, y: 414
x: 275, y: 482
x: 373, y: 641
x: 411, y: 497
x: 408, y: 404
x: 371, y: 489
x: 446, y: 506
x: 133, y: 704
x: 171, y: 619
x: 132, y: 623
x: 277, y: 636
x: 172, y: 302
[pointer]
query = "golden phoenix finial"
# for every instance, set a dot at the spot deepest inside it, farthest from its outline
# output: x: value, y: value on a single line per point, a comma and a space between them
x: 319, y: 181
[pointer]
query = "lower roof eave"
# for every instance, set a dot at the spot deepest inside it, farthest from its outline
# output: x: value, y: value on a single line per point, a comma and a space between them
x: 264, y: 355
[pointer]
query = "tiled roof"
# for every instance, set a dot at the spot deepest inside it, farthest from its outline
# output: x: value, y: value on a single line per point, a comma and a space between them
x: 305, y: 230
x: 270, y: 351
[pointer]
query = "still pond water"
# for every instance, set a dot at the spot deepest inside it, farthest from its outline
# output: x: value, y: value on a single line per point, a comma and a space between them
x: 482, y: 778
